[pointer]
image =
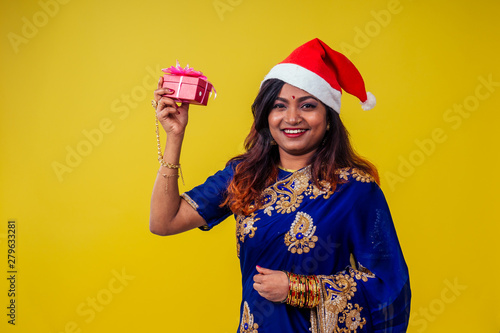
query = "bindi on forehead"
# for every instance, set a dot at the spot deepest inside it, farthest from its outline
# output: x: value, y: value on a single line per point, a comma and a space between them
x: 293, y: 97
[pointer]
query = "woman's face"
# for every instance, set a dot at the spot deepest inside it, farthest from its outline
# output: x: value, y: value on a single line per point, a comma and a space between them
x: 297, y: 122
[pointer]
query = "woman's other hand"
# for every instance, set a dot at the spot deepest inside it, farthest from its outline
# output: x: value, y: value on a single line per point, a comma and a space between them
x: 172, y: 117
x: 270, y: 284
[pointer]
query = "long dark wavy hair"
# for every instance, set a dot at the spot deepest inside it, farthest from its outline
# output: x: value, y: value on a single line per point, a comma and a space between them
x: 258, y: 167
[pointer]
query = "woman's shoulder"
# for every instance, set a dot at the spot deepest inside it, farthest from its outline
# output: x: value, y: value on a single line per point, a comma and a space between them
x: 346, y: 175
x: 358, y: 184
x: 233, y: 163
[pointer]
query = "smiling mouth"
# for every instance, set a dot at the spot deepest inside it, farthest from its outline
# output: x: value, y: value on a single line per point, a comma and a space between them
x: 294, y: 131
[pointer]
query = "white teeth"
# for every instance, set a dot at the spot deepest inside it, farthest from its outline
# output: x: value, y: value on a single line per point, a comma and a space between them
x: 294, y: 131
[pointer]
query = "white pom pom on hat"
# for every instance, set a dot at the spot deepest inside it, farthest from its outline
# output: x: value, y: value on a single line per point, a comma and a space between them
x: 323, y: 72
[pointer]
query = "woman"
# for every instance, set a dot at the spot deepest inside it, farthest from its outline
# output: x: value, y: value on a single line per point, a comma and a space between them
x: 317, y: 246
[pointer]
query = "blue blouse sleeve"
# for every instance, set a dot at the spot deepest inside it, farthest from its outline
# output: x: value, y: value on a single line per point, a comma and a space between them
x: 207, y: 197
x: 375, y: 246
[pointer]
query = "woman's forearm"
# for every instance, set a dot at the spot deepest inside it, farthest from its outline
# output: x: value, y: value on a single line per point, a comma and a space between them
x: 165, y: 200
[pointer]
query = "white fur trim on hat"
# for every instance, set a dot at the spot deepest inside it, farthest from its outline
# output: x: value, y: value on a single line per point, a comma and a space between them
x: 369, y: 103
x: 304, y: 79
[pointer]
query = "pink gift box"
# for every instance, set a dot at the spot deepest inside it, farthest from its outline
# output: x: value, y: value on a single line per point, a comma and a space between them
x: 188, y: 89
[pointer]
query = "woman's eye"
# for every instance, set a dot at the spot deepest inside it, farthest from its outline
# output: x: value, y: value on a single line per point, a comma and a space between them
x: 278, y: 106
x: 308, y: 106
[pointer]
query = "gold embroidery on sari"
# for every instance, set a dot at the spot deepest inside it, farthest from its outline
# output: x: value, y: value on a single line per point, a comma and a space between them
x: 335, y: 313
x: 286, y: 195
x: 361, y: 176
x: 300, y: 239
x: 247, y: 325
x: 325, y: 190
x: 343, y: 173
x: 244, y: 227
x: 355, y: 173
x: 363, y: 273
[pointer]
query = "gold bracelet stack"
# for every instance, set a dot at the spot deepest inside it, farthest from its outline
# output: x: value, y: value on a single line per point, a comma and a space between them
x: 160, y: 155
x: 303, y: 290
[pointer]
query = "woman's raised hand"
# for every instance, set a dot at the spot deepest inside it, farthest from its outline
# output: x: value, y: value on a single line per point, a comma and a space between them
x: 172, y: 117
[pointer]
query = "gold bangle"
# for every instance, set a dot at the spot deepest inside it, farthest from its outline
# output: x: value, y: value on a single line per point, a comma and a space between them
x: 308, y: 292
x: 297, y: 292
x: 288, y: 293
x: 169, y: 165
x: 303, y: 290
x: 299, y: 288
x: 315, y: 292
x: 306, y: 298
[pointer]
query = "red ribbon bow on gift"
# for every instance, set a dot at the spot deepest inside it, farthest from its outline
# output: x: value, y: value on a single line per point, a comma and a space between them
x: 187, y: 71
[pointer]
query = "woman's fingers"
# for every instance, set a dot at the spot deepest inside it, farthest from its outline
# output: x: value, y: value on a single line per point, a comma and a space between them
x: 258, y: 278
x: 160, y: 82
x: 167, y: 104
x: 271, y: 284
x: 167, y: 113
x: 160, y: 87
x: 263, y: 270
x: 161, y: 92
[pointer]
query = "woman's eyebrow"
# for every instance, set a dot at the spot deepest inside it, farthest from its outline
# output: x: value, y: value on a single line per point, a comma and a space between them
x: 300, y: 99
x: 303, y: 98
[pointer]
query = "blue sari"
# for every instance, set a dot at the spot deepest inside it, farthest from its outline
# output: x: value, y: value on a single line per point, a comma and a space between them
x: 345, y: 237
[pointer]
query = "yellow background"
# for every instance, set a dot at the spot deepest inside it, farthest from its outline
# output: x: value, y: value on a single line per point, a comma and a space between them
x: 89, y: 67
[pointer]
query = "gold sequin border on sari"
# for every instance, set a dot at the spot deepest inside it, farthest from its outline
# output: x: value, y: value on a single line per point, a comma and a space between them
x: 336, y: 313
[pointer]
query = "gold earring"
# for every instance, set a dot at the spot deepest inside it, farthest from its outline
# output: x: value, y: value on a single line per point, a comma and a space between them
x: 328, y: 126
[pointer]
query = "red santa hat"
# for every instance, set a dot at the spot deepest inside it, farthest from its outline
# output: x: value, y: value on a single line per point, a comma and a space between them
x: 322, y: 72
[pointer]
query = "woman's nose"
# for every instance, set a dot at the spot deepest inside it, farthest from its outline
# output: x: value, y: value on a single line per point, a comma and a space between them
x: 292, y: 116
